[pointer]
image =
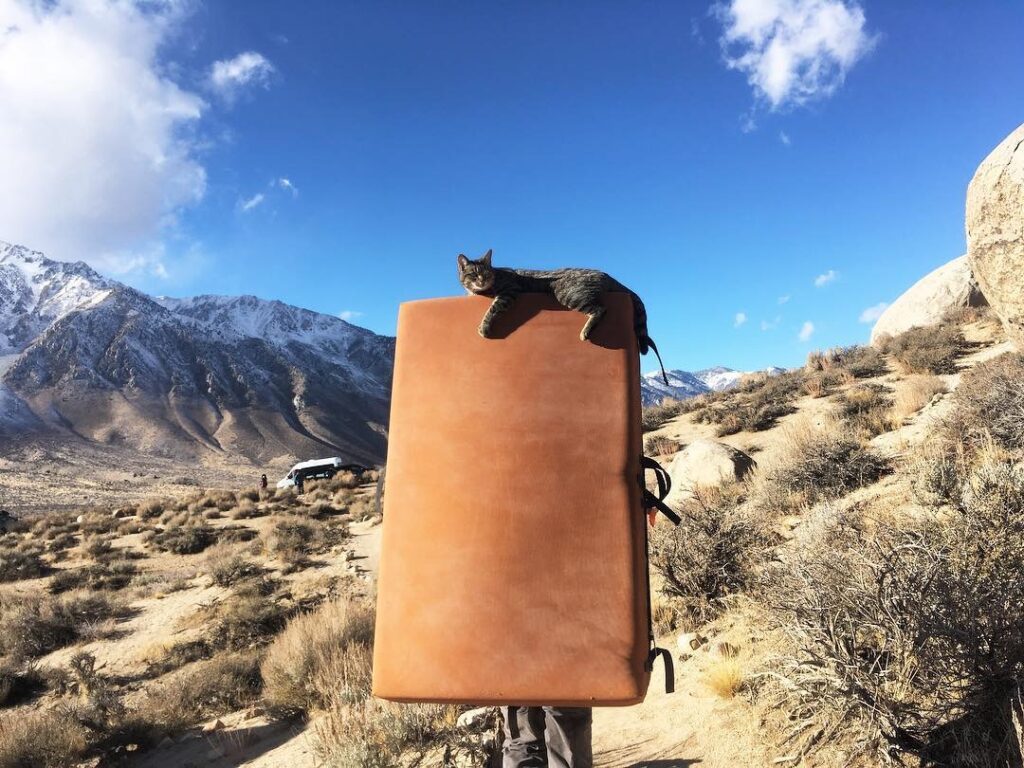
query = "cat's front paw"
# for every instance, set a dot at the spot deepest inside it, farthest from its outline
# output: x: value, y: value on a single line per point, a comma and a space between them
x: 485, y: 331
x: 584, y: 334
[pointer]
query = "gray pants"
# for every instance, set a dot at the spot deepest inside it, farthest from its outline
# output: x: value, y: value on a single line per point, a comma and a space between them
x: 547, y: 737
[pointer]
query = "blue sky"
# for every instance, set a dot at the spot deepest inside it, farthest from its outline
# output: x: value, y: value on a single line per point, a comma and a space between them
x: 718, y: 159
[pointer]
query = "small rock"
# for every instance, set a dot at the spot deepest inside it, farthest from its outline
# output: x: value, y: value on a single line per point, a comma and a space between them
x: 80, y: 519
x: 473, y: 718
x: 689, y: 642
x: 216, y: 725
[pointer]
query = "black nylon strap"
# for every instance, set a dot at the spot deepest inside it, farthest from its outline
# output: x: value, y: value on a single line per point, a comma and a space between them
x: 650, y: 501
x: 670, y: 668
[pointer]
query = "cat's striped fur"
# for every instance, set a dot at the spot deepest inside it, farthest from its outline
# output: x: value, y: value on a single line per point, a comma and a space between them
x: 578, y: 289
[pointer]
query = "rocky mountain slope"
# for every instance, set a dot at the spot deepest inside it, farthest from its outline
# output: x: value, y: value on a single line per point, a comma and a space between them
x: 89, y: 357
x: 684, y: 384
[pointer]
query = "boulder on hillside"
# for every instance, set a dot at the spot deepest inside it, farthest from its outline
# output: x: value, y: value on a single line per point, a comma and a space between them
x: 995, y: 231
x: 706, y: 463
x: 926, y: 302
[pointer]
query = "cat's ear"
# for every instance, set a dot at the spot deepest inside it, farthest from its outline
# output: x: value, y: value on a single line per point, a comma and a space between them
x: 486, y: 258
x: 463, y: 261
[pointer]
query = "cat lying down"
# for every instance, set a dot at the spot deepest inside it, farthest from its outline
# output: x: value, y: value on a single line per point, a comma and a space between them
x: 578, y: 289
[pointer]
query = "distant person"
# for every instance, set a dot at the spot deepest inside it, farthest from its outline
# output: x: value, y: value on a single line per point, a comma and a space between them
x: 299, y: 480
x: 555, y: 737
x: 263, y: 482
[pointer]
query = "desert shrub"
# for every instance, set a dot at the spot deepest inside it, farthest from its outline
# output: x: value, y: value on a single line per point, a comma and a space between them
x: 227, y: 567
x: 858, y: 361
x: 19, y: 682
x: 867, y: 408
x: 206, y: 689
x: 96, y: 547
x: 34, y: 625
x: 914, y: 393
x: 249, y: 494
x: 659, y: 445
x: 97, y: 521
x: 150, y: 508
x: 379, y: 734
x: 292, y: 541
x: 653, y: 416
x: 184, y: 480
x: 16, y: 565
x: 933, y: 349
x: 816, y: 464
x: 42, y: 739
x: 61, y: 543
x: 989, y: 403
x: 246, y: 510
x: 247, y: 618
x: 912, y: 637
x: 110, y: 576
x: 756, y: 404
x: 320, y: 655
x: 712, y: 554
x: 185, y: 539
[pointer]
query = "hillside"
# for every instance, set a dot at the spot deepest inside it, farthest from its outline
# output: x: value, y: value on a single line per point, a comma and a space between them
x: 84, y: 358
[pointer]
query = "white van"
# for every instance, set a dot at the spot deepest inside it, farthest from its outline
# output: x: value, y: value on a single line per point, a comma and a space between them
x: 318, y: 469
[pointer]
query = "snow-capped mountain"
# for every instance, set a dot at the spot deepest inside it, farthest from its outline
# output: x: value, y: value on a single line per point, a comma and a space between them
x: 84, y: 354
x: 683, y: 384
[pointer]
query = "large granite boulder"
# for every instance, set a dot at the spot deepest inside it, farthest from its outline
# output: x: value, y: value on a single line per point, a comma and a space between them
x: 926, y: 302
x: 706, y: 463
x: 995, y: 231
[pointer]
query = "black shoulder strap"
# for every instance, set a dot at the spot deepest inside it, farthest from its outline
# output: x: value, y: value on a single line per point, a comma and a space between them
x: 650, y: 501
x: 670, y: 668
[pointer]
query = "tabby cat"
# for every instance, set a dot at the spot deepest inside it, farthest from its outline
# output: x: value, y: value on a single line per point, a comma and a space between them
x: 578, y: 289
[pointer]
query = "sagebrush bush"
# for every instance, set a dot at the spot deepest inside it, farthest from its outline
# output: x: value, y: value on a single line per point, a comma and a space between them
x: 932, y: 349
x: 913, y: 393
x: 319, y: 656
x: 33, y: 625
x: 228, y: 567
x: 653, y: 416
x: 16, y: 565
x: 817, y: 463
x: 713, y: 553
x: 913, y: 636
x: 858, y: 360
x: 19, y: 681
x: 660, y: 445
x: 754, y: 405
x: 867, y: 408
x: 110, y: 576
x: 185, y: 539
x: 52, y: 738
x: 989, y: 403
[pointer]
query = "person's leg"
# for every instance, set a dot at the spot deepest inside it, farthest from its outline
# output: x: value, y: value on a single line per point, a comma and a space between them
x: 524, y: 738
x: 568, y: 737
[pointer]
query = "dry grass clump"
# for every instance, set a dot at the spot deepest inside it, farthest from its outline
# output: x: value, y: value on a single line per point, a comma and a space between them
x: 18, y: 564
x: 653, y: 416
x: 228, y: 567
x: 110, y: 576
x: 33, y: 625
x: 911, y: 639
x: 714, y: 553
x: 150, y: 509
x: 725, y: 676
x: 754, y: 405
x: 185, y: 539
x: 659, y: 445
x: 319, y: 656
x: 817, y: 463
x: 933, y: 349
x: 203, y: 690
x: 247, y: 618
x: 858, y: 361
x: 913, y: 393
x: 867, y: 408
x: 989, y: 403
x: 247, y: 509
x: 292, y: 540
x: 42, y: 739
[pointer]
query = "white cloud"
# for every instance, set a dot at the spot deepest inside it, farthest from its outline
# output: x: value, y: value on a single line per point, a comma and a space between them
x: 94, y: 136
x: 287, y: 185
x: 740, y: 319
x: 247, y: 205
x: 806, y: 331
x: 871, y: 314
x: 793, y: 51
x: 824, y: 279
x: 348, y: 315
x: 784, y: 299
x: 228, y: 77
x: 771, y: 325
x: 784, y: 138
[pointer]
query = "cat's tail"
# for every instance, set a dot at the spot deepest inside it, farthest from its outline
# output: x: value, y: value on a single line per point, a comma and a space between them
x: 647, y: 342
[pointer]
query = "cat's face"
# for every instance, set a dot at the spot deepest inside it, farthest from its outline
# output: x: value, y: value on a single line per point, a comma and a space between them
x: 476, y: 276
